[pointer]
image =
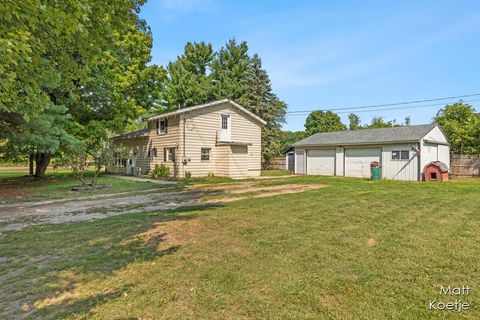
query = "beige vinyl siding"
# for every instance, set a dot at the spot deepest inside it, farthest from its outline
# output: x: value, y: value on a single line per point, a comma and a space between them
x: 137, y: 147
x: 399, y: 169
x: 222, y: 163
x: 245, y: 129
x: 165, y: 140
x: 239, y: 158
x: 201, y: 129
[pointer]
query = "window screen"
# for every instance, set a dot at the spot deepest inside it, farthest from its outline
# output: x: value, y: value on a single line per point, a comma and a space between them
x: 395, y: 155
x: 404, y: 155
x: 205, y: 154
x: 400, y: 155
x: 224, y: 122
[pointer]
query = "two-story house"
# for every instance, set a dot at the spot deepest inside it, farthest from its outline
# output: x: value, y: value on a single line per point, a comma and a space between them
x: 220, y: 138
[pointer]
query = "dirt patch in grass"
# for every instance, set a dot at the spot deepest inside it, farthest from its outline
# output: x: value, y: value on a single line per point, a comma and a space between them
x: 235, y: 194
x: 17, y: 216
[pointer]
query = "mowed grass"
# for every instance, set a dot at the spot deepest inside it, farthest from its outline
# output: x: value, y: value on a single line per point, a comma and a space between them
x: 354, y: 250
x: 17, y: 186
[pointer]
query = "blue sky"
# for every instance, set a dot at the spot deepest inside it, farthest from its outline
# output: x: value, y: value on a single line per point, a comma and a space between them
x: 330, y: 54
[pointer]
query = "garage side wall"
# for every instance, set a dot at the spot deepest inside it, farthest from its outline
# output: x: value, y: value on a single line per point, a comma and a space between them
x: 399, y: 169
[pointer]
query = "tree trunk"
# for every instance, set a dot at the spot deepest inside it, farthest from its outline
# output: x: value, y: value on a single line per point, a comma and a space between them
x: 30, y: 163
x: 95, y: 175
x: 41, y: 163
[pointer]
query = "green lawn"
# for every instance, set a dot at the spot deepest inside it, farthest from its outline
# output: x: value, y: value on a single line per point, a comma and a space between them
x: 354, y: 250
x: 16, y: 186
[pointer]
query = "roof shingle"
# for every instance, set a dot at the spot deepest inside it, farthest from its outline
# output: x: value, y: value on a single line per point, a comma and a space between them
x: 367, y: 136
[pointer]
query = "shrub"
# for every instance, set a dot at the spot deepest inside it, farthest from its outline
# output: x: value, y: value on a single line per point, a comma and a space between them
x: 188, y: 174
x: 160, y: 171
x: 211, y: 174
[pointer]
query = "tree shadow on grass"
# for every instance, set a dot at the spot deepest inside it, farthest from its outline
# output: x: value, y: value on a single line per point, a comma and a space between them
x: 56, y: 258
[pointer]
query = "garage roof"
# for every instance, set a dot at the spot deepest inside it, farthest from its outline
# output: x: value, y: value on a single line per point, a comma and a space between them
x: 368, y: 136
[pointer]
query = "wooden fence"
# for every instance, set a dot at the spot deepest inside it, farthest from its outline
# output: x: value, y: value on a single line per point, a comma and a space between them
x: 465, y: 165
x: 277, y: 163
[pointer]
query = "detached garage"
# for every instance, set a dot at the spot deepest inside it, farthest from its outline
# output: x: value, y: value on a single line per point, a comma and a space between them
x: 403, y: 152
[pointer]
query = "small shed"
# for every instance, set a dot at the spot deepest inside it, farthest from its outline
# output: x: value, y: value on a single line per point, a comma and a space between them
x: 436, y: 171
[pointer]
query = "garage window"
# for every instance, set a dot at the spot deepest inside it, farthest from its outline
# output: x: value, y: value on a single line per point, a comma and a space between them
x: 400, y: 155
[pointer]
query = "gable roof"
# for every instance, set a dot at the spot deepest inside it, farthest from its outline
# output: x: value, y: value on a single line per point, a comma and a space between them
x: 368, y: 136
x: 206, y: 105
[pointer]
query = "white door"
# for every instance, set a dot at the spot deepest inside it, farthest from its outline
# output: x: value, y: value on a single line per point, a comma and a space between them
x: 299, y: 162
x: 225, y: 128
x: 321, y: 162
x: 357, y: 161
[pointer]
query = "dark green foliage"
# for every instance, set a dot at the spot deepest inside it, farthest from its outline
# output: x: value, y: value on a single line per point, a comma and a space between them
x: 259, y: 99
x: 379, y: 122
x: 323, y: 121
x: 354, y: 122
x: 288, y: 138
x: 461, y: 124
x: 71, y: 69
x: 160, y: 171
x: 188, y: 80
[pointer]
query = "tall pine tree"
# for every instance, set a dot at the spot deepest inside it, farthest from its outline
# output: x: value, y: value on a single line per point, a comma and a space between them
x: 189, y: 82
x: 258, y: 97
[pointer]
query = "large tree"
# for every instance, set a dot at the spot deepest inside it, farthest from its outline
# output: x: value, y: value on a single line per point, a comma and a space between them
x: 323, y: 121
x: 258, y: 97
x: 201, y: 75
x: 354, y: 122
x: 461, y: 123
x: 379, y: 122
x: 189, y: 81
x: 231, y: 70
x: 77, y: 61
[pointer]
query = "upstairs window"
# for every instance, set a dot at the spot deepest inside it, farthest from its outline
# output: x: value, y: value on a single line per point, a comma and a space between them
x: 400, y: 155
x: 224, y: 122
x: 162, y: 126
x: 205, y: 154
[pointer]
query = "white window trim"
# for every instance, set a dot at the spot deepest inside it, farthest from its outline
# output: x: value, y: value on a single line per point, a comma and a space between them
x: 226, y: 117
x: 159, y: 127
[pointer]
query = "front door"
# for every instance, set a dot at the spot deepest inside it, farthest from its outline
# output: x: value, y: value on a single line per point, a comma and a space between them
x: 131, y: 164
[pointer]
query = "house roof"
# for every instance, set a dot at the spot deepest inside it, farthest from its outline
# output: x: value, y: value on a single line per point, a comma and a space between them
x: 133, y: 134
x: 206, y: 105
x: 367, y: 136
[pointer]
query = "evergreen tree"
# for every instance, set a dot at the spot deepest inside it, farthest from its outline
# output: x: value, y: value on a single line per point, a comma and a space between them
x: 258, y: 97
x: 189, y: 81
x: 230, y: 70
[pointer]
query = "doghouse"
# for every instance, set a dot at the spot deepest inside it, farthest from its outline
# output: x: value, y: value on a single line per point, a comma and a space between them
x: 436, y: 171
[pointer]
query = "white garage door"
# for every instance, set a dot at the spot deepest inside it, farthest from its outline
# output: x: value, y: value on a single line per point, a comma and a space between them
x: 357, y: 161
x: 321, y: 162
